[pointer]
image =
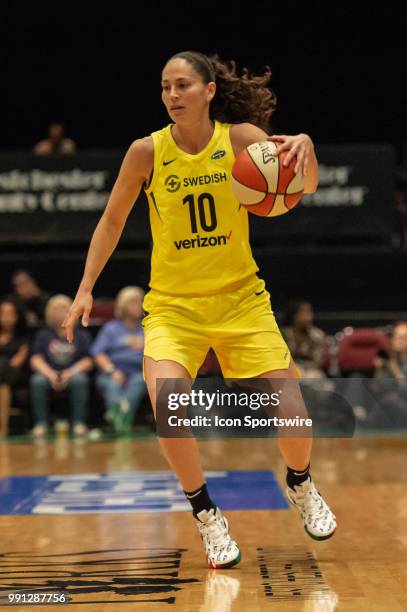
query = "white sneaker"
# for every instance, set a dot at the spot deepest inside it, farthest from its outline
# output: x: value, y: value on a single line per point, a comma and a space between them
x: 39, y: 431
x: 221, y: 550
x: 79, y: 430
x: 319, y: 520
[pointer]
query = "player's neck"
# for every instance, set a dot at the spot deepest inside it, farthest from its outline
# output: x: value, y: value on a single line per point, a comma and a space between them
x: 193, y: 137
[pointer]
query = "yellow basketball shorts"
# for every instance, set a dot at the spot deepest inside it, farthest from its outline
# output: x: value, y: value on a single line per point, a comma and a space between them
x: 239, y: 325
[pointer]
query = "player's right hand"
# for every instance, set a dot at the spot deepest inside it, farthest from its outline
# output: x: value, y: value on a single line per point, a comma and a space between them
x: 82, y: 305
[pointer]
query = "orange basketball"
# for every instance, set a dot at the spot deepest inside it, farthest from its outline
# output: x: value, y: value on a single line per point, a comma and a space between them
x: 262, y: 184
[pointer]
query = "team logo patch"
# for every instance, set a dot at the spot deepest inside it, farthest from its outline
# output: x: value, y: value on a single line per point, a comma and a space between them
x: 218, y: 154
x: 172, y: 183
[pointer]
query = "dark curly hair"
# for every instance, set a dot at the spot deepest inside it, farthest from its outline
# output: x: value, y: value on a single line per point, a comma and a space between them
x: 292, y: 309
x: 20, y: 328
x: 239, y: 98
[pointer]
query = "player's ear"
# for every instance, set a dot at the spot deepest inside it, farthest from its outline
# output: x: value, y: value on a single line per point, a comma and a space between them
x: 211, y: 90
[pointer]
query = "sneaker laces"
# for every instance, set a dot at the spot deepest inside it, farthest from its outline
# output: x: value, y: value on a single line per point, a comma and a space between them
x: 317, y: 507
x: 311, y: 501
x: 215, y: 528
x: 315, y: 504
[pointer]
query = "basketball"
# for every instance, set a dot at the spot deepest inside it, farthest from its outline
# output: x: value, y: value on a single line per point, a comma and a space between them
x: 262, y: 184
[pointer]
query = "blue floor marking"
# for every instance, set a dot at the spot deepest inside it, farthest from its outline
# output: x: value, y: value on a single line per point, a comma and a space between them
x: 134, y: 492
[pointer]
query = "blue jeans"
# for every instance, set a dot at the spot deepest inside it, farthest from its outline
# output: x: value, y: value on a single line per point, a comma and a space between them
x: 133, y: 390
x: 78, y: 389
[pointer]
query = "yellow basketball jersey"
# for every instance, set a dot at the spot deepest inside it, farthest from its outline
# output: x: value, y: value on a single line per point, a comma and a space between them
x: 200, y: 232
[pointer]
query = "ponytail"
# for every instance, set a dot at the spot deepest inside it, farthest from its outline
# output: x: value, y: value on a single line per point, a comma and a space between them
x: 239, y: 98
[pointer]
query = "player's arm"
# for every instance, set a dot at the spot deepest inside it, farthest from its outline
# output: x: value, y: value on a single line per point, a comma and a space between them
x: 135, y: 169
x: 244, y: 134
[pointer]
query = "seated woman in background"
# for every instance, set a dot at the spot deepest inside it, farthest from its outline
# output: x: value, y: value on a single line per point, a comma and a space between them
x: 305, y: 341
x: 390, y: 382
x: 59, y: 365
x: 118, y: 353
x: 13, y: 355
x: 31, y: 297
x: 393, y: 363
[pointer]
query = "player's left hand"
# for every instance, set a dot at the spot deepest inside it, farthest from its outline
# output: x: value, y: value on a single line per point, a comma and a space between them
x: 300, y: 145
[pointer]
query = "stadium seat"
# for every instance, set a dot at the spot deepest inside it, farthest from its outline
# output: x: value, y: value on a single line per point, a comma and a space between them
x: 358, y: 348
x: 102, y: 311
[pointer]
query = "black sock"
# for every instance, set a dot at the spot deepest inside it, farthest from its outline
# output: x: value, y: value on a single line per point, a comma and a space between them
x: 200, y: 500
x: 296, y: 477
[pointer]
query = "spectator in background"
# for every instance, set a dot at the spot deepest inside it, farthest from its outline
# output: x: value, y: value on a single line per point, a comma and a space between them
x: 59, y: 365
x: 13, y: 355
x: 32, y: 299
x: 56, y: 143
x: 305, y: 341
x: 393, y: 364
x: 389, y: 385
x: 118, y: 353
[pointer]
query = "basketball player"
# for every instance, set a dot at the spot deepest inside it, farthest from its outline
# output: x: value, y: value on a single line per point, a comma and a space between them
x: 211, y: 296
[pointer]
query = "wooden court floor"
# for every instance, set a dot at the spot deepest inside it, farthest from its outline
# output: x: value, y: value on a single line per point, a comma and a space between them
x: 154, y: 561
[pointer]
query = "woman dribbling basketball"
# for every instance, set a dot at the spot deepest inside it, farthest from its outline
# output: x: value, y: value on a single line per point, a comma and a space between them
x: 204, y: 290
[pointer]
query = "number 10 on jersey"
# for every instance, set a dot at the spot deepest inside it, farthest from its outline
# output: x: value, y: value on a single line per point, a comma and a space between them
x: 206, y: 212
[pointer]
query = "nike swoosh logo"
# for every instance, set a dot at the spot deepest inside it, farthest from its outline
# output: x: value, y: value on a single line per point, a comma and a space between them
x: 194, y: 495
x: 165, y: 163
x: 258, y: 292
